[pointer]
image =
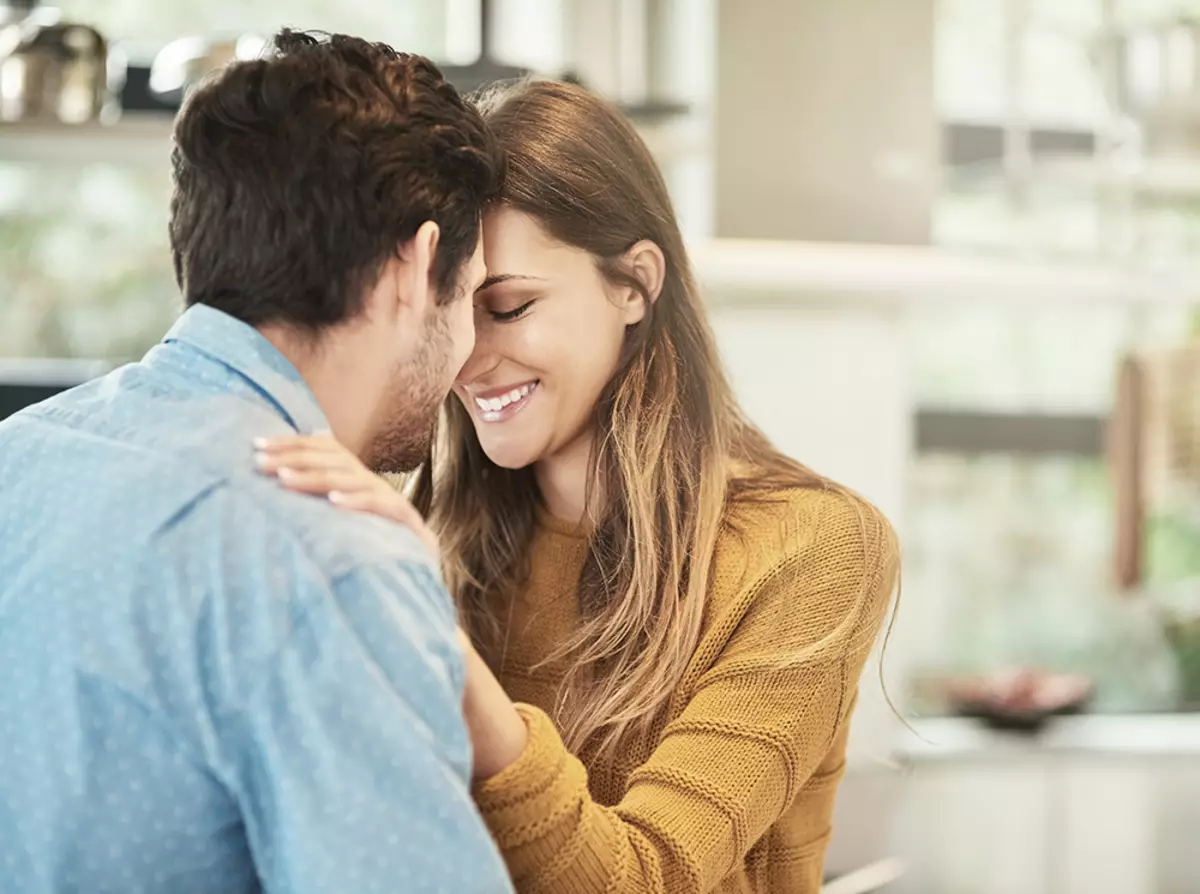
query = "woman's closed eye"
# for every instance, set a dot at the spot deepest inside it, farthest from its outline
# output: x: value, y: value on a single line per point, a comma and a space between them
x: 507, y: 316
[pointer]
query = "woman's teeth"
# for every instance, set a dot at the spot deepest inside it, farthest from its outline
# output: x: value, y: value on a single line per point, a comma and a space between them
x: 496, y: 404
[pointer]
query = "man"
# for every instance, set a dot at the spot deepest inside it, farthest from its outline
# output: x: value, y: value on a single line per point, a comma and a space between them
x: 211, y: 684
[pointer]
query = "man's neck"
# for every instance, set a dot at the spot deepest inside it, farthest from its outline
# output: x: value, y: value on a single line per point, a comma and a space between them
x: 337, y: 382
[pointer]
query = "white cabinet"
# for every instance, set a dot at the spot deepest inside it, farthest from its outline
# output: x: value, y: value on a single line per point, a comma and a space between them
x: 1101, y: 805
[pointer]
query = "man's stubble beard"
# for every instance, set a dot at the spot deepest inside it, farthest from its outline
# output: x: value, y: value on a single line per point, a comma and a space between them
x: 418, y: 388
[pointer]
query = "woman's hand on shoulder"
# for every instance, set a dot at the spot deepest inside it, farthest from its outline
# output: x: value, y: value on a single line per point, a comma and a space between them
x: 320, y: 465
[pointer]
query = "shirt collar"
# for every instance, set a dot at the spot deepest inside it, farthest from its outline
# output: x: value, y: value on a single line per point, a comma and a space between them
x: 244, y: 350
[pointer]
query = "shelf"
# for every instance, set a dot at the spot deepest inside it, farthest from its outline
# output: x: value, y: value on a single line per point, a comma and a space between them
x: 135, y: 139
x: 36, y: 371
x: 144, y: 139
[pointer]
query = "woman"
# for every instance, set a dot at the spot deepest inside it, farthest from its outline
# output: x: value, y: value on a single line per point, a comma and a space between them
x: 668, y: 617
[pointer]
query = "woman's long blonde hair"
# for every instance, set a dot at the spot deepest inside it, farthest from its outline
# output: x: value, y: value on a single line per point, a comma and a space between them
x: 669, y: 434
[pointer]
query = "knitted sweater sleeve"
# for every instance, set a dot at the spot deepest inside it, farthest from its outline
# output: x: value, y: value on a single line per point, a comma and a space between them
x: 762, y: 721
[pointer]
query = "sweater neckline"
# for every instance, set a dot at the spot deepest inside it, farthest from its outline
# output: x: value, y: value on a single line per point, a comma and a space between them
x: 554, y: 524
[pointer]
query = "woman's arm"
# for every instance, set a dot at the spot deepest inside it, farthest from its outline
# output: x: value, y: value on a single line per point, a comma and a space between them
x: 769, y: 717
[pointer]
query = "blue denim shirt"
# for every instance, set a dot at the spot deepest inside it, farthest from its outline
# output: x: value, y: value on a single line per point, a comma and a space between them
x: 210, y: 684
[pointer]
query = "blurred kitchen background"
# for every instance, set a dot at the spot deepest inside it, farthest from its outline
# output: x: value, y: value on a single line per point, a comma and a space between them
x: 952, y: 253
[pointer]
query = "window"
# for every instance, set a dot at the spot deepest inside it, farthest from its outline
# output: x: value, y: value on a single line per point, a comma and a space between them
x: 1012, y: 553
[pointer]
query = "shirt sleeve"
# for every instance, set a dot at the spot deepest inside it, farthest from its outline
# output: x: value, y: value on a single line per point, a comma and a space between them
x: 763, y: 733
x: 351, y: 757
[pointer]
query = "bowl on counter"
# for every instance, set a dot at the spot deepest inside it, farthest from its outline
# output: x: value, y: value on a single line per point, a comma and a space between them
x: 1019, y: 699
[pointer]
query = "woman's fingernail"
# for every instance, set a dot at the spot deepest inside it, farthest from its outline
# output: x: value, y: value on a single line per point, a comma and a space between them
x: 336, y: 496
x: 262, y: 460
x: 261, y: 443
x: 286, y: 474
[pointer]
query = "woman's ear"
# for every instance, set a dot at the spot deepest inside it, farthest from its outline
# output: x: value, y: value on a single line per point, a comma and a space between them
x: 646, y: 262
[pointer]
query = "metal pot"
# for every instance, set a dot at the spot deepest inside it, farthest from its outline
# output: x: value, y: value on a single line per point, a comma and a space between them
x: 183, y: 64
x: 52, y: 70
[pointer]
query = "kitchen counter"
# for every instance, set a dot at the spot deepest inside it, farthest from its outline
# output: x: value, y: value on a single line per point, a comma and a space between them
x: 1085, y: 735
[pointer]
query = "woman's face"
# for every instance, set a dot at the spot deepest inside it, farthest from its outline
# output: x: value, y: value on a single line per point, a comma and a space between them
x: 548, y: 337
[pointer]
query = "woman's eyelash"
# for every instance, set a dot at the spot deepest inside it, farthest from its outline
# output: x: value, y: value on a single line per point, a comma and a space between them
x: 509, y: 315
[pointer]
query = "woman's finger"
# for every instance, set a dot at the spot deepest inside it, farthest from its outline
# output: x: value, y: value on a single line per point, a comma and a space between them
x: 290, y: 443
x: 322, y: 481
x: 392, y: 507
x: 304, y: 459
x: 369, y: 501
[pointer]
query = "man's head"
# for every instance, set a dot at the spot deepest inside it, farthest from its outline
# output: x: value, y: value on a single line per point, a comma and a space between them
x: 330, y: 194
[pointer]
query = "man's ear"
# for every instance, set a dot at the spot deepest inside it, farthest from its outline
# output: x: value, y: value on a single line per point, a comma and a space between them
x: 418, y: 255
x: 646, y: 262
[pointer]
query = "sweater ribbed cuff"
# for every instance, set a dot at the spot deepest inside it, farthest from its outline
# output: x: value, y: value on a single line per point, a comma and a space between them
x: 532, y: 777
x: 533, y: 807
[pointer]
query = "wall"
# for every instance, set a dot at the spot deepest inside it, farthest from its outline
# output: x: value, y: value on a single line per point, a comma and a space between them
x: 825, y: 125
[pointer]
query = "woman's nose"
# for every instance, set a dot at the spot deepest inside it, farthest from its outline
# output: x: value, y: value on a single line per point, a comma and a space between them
x: 480, y: 364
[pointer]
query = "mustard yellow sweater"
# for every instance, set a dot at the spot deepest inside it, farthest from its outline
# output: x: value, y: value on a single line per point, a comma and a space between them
x: 736, y: 792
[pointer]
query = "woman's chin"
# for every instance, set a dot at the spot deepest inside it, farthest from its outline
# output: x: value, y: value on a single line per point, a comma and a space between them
x: 510, y: 456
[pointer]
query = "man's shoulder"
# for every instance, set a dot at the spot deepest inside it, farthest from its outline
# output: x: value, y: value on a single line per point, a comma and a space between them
x: 338, y: 543
x: 256, y: 568
x: 142, y: 476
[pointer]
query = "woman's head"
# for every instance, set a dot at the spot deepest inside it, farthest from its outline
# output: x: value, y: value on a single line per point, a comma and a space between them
x: 579, y: 251
x: 591, y: 340
x: 551, y: 330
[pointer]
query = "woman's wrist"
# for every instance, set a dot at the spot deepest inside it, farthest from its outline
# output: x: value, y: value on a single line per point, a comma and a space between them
x: 500, y: 739
x: 498, y: 732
